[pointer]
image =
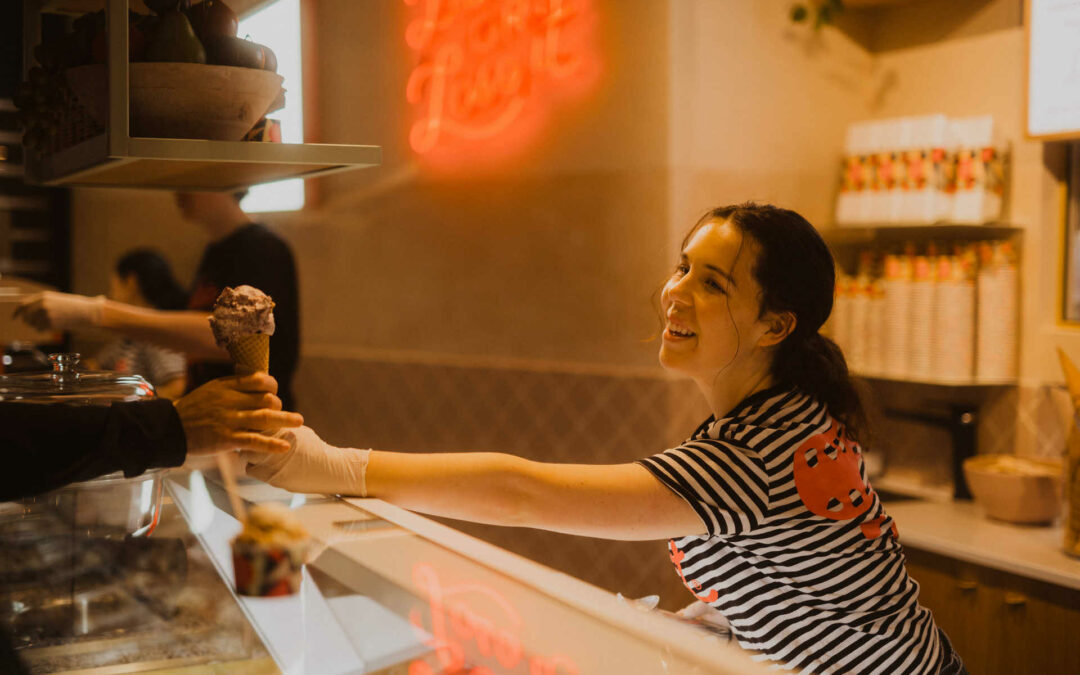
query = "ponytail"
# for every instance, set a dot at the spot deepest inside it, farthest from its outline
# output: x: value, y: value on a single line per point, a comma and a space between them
x: 815, y: 365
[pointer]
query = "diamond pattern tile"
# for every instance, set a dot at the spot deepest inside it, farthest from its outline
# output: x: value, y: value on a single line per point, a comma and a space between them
x: 548, y: 416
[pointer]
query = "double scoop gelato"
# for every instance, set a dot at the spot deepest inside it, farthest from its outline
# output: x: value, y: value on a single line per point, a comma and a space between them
x: 243, y: 322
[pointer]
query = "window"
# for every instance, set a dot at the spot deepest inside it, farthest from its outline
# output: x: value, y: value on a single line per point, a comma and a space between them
x: 277, y: 25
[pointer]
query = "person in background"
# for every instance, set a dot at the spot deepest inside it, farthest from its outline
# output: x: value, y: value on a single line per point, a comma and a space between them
x: 143, y: 278
x: 240, y: 252
x: 770, y: 515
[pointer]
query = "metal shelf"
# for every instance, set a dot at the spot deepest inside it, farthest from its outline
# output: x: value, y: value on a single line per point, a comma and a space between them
x: 181, y: 164
x: 241, y: 7
x: 900, y: 232
x: 115, y: 159
x: 940, y: 381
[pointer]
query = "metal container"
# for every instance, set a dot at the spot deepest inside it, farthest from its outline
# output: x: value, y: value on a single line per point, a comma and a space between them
x: 108, y: 506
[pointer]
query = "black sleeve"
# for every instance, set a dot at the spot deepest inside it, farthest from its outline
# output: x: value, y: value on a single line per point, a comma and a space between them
x: 47, y: 446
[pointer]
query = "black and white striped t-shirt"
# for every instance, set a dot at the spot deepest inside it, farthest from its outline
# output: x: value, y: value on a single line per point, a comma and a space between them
x: 800, y: 555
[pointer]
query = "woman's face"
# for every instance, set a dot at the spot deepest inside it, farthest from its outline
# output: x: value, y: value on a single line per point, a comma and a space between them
x: 711, y: 305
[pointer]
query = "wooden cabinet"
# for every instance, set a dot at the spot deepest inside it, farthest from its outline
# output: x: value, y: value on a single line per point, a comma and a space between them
x: 1000, y: 622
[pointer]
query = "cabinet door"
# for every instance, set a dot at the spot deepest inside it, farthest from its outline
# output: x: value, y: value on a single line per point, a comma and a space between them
x: 1041, y: 624
x: 1000, y: 623
x: 962, y: 607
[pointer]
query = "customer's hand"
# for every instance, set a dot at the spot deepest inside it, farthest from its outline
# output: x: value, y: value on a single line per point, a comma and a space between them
x: 228, y: 414
x: 311, y: 466
x: 50, y: 310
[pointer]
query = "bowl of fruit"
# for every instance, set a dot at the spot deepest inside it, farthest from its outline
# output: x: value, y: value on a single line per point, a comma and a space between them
x: 190, y: 77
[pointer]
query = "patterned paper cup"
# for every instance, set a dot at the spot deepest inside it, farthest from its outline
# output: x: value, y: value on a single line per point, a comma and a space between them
x: 270, y: 569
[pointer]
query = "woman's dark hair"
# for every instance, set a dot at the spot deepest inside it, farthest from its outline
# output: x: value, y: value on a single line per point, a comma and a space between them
x: 154, y: 277
x: 797, y: 274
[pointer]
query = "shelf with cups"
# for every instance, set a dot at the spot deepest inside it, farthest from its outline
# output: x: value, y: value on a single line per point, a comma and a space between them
x: 928, y: 304
x: 898, y: 233
x: 939, y: 381
x: 106, y: 143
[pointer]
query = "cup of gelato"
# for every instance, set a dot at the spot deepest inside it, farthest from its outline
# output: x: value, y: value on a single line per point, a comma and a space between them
x: 269, y: 553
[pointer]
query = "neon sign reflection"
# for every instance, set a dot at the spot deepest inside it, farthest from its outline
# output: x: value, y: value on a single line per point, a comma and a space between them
x: 469, y: 640
x: 488, y: 70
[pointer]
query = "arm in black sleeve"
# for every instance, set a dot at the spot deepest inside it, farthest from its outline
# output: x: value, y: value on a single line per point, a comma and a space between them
x: 47, y: 446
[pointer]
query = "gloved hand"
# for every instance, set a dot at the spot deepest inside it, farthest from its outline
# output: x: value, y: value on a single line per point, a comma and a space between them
x: 311, y: 466
x: 50, y: 310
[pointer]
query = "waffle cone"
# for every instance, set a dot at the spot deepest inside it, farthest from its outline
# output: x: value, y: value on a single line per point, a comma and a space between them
x: 250, y: 353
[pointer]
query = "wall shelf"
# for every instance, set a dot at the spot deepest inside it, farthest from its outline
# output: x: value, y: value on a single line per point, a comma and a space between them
x: 241, y: 7
x: 116, y: 159
x: 182, y: 164
x: 939, y: 381
x: 886, y: 233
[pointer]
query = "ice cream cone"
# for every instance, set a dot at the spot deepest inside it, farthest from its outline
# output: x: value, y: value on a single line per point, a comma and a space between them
x: 250, y: 353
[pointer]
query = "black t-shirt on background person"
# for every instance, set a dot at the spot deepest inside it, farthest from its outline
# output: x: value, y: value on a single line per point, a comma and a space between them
x: 253, y: 255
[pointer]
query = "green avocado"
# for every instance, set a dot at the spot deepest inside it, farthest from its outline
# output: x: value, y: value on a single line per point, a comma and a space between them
x: 175, y: 40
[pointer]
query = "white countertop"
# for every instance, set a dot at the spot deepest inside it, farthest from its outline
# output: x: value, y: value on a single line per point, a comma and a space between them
x: 960, y: 530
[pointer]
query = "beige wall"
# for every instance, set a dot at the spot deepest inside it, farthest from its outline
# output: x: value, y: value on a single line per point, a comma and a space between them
x: 553, y: 257
x: 557, y: 257
x: 759, y: 108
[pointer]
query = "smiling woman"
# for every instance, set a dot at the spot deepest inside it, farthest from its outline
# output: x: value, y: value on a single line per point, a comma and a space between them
x: 771, y: 517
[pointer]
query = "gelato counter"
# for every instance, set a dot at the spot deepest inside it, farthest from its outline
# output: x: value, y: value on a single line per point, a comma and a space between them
x: 385, y: 591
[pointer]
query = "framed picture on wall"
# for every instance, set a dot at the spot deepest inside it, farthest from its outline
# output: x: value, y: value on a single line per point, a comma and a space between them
x: 1053, y: 74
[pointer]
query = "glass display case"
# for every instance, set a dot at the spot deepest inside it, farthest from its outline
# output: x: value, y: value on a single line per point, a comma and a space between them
x: 385, y: 591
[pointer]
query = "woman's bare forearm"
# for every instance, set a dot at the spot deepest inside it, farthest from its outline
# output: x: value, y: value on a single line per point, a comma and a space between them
x: 183, y: 331
x: 621, y: 501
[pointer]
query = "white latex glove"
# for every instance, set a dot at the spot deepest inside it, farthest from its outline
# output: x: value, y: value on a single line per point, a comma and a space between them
x: 50, y: 310
x: 311, y: 466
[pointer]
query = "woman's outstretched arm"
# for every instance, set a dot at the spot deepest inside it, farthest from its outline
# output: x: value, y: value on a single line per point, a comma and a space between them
x: 611, y: 501
x: 616, y: 501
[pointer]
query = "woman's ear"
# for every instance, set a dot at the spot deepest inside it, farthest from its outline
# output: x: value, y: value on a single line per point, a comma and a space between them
x: 780, y: 325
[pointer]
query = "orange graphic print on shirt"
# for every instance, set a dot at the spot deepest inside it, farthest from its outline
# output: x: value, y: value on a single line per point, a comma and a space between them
x: 829, y: 479
x: 677, y: 557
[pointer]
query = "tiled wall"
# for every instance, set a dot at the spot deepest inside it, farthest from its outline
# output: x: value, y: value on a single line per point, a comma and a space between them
x: 550, y: 415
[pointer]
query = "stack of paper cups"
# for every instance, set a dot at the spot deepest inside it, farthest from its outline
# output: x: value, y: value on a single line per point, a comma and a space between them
x: 979, y: 171
x: 895, y: 324
x: 920, y: 335
x: 860, y: 317
x: 954, y: 319
x: 873, y: 360
x: 995, y: 355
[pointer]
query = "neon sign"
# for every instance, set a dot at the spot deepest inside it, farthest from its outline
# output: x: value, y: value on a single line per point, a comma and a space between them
x: 469, y: 641
x: 488, y: 71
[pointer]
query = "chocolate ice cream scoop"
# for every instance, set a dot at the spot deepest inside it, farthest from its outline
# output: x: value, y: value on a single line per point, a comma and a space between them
x: 240, y: 311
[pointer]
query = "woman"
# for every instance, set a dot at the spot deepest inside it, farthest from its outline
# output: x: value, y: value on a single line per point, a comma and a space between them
x: 770, y: 513
x: 143, y: 278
